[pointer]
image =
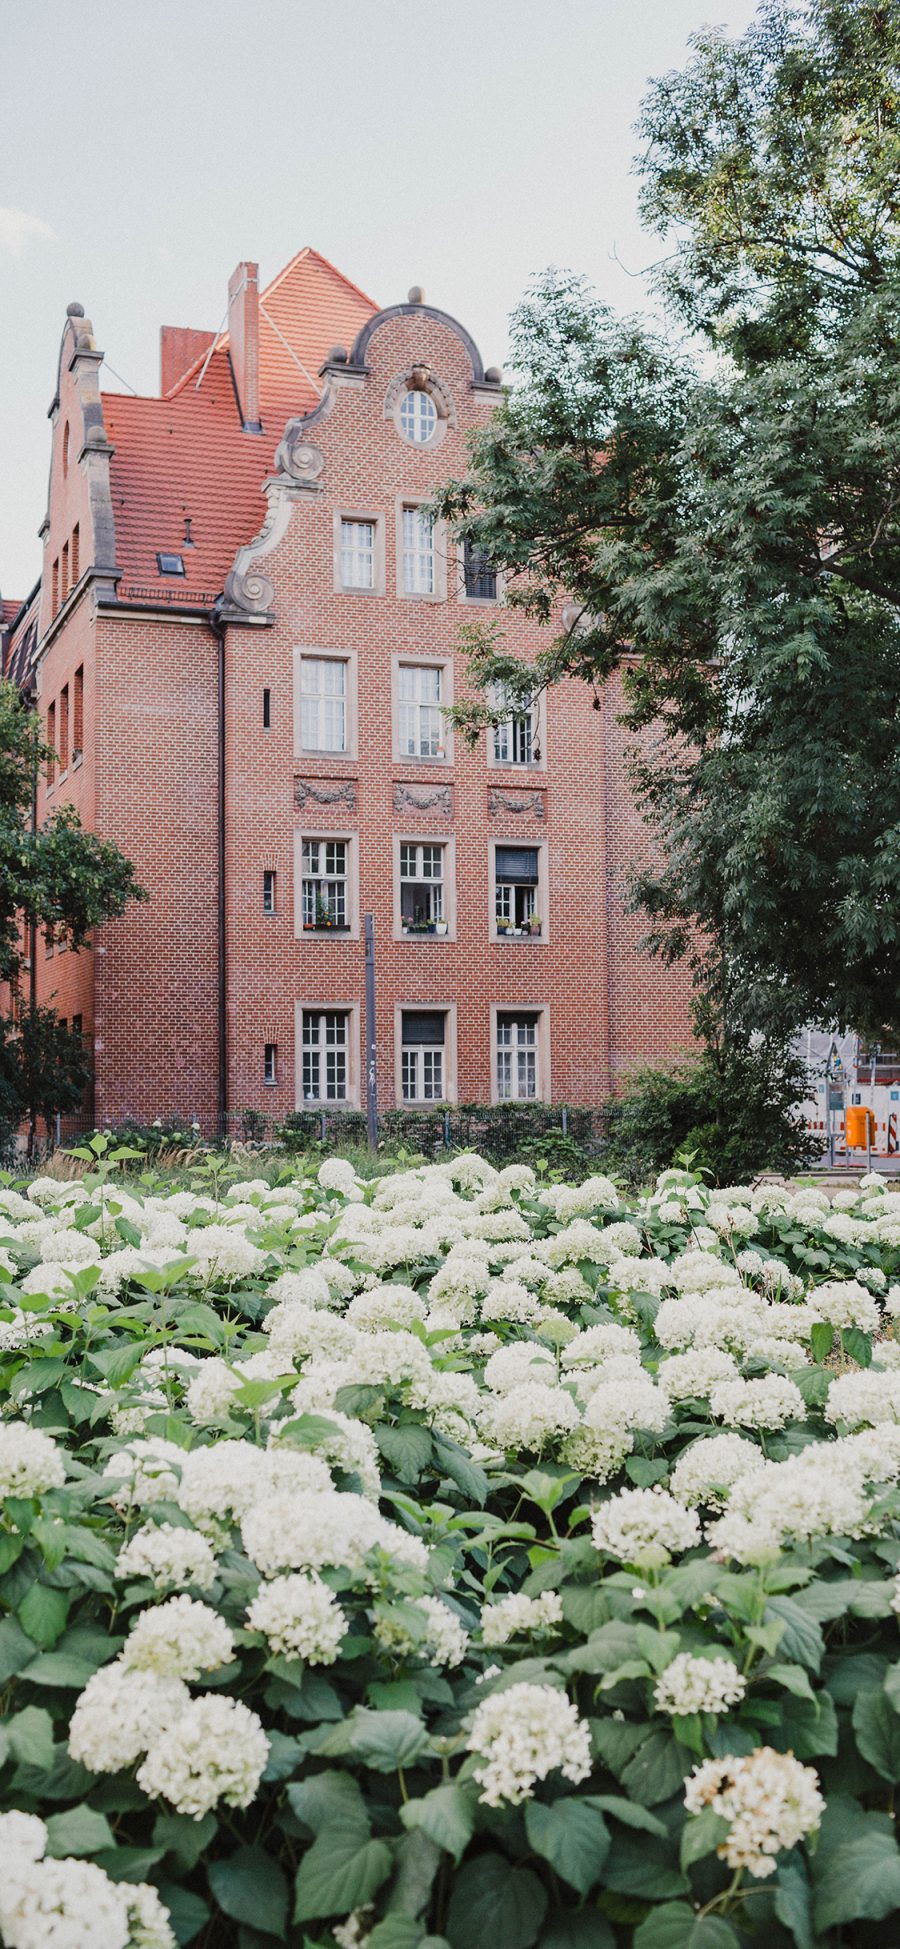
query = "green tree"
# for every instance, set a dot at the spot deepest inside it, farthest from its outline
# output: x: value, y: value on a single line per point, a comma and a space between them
x: 730, y: 523
x: 57, y: 877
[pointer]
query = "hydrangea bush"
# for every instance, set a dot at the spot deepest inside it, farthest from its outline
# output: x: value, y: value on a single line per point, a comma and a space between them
x: 450, y: 1558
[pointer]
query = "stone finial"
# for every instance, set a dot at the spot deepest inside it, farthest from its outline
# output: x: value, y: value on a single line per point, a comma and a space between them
x: 338, y: 355
x: 415, y: 295
x: 494, y: 375
x: 74, y: 311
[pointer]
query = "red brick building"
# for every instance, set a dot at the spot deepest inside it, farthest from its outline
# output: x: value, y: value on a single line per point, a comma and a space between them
x: 244, y: 635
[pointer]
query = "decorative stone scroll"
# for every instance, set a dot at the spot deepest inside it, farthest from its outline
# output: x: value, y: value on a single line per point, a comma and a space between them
x: 336, y: 793
x: 504, y: 802
x: 424, y: 798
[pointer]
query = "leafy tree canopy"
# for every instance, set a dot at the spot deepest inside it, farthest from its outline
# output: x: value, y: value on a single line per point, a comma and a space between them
x: 726, y: 529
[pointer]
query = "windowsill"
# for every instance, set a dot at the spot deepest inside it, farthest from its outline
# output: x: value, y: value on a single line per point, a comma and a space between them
x: 358, y: 589
x: 270, y: 913
x: 423, y: 934
x: 327, y: 1103
x: 405, y: 759
x: 481, y: 602
x: 77, y: 759
x: 517, y: 934
x: 270, y: 1082
x: 413, y: 595
x: 535, y: 770
x: 322, y: 933
x: 325, y: 761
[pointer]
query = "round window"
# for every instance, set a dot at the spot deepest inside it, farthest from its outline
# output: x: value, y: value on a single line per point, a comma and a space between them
x: 418, y: 417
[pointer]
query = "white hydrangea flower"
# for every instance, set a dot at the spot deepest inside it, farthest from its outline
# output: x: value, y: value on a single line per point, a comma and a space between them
x: 692, y: 1684
x: 170, y: 1558
x: 119, y: 1713
x: 844, y: 1302
x: 30, y: 1463
x: 644, y: 1526
x: 518, y: 1363
x: 300, y: 1617
x: 530, y: 1416
x: 309, y: 1532
x: 768, y: 1799
x: 686, y: 1376
x: 179, y: 1639
x: 516, y: 1615
x: 708, y: 1469
x: 864, y: 1399
x: 144, y: 1471
x: 522, y: 1735
x: 65, y: 1904
x: 216, y: 1750
x: 598, y: 1343
x: 770, y: 1402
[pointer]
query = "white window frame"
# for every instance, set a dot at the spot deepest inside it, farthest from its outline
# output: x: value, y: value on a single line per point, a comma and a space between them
x: 303, y: 656
x: 411, y: 415
x: 270, y: 874
x: 539, y: 1013
x: 376, y: 587
x: 418, y: 860
x: 304, y: 836
x: 418, y: 504
x: 540, y: 904
x: 483, y: 602
x: 444, y: 667
x: 450, y: 1091
x: 538, y: 737
x: 351, y: 1046
x: 447, y: 844
x: 270, y: 1078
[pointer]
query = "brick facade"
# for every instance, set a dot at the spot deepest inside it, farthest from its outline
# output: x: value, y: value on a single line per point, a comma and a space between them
x: 185, y: 473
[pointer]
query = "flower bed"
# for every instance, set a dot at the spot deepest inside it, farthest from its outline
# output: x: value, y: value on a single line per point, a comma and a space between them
x: 448, y: 1558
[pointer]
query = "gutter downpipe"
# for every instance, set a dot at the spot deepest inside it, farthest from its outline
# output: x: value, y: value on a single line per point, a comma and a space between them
x: 218, y: 629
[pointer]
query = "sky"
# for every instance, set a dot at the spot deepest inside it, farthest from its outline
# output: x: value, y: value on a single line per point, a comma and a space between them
x: 147, y: 146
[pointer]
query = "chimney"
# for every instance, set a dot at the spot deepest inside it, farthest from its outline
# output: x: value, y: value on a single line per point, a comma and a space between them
x: 179, y: 349
x: 243, y: 338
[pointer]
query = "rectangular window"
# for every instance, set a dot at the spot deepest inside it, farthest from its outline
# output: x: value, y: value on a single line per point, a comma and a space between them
x: 64, y: 728
x: 268, y: 891
x: 76, y: 1025
x: 515, y: 736
x: 326, y: 904
x: 517, y: 1057
x: 267, y: 710
x: 270, y: 1062
x: 422, y: 888
x: 326, y: 1041
x: 357, y: 554
x: 51, y: 740
x: 78, y: 713
x: 421, y: 722
x: 54, y: 588
x: 418, y: 552
x: 515, y: 890
x: 64, y: 583
x: 323, y: 703
x: 422, y: 1056
x: 76, y: 551
x: 479, y: 577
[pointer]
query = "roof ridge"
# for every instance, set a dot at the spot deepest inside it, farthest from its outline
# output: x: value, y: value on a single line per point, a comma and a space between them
x: 219, y: 344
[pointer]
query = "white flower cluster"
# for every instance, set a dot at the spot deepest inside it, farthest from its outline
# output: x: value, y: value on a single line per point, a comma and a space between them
x: 522, y: 1735
x: 172, y: 1559
x: 179, y: 1639
x: 68, y: 1903
x: 30, y: 1463
x: 769, y: 1800
x: 646, y: 1527
x: 692, y: 1684
x: 300, y: 1617
x: 516, y: 1615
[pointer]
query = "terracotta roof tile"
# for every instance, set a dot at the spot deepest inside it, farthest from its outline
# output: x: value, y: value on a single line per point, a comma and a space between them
x: 186, y: 455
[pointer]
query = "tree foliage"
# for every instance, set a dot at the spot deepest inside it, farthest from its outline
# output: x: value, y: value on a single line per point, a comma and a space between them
x: 726, y: 527
x: 57, y: 877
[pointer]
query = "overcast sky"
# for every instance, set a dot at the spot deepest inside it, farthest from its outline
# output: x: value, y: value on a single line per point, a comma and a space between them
x: 148, y: 145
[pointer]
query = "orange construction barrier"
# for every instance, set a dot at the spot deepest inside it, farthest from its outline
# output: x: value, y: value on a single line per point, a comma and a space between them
x: 860, y: 1121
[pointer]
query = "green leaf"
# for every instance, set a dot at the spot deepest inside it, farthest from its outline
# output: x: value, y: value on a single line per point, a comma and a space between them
x: 656, y: 1770
x: 701, y: 1834
x: 15, y: 1649
x: 326, y: 1797
x: 446, y: 1815
x: 793, y: 1899
x: 386, y: 1740
x: 821, y: 1339
x: 641, y: 1866
x: 188, y: 1913
x: 250, y: 1887
x: 572, y: 1836
x: 11, y: 1548
x: 396, y: 1932
x: 184, y: 1838
x: 576, y: 1929
x: 794, y: 1680
x: 78, y: 1831
x: 801, y: 1641
x: 628, y: 1813
x: 30, y: 1735
x: 466, y: 1474
x: 676, y: 1926
x: 407, y: 1448
x: 857, y: 1345
x: 877, y: 1729
x: 43, y: 1613
x: 342, y: 1870
x: 856, y: 1866
x: 494, y: 1902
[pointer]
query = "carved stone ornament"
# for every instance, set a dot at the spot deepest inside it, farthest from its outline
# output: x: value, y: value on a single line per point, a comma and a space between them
x: 298, y: 458
x: 424, y: 798
x: 532, y: 802
x: 246, y: 587
x: 420, y: 378
x: 343, y: 793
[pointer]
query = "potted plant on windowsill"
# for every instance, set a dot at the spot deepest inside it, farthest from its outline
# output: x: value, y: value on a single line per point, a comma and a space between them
x: 440, y: 927
x: 534, y: 924
x: 503, y: 926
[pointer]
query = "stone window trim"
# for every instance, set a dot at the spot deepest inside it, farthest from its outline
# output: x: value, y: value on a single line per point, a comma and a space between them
x: 510, y: 767
x: 541, y: 1011
x: 354, y: 1066
x: 350, y: 659
x: 325, y: 836
x: 422, y: 660
x: 542, y: 848
x: 420, y: 378
x: 448, y: 844
x: 379, y: 582
x: 451, y: 1059
x: 439, y: 546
